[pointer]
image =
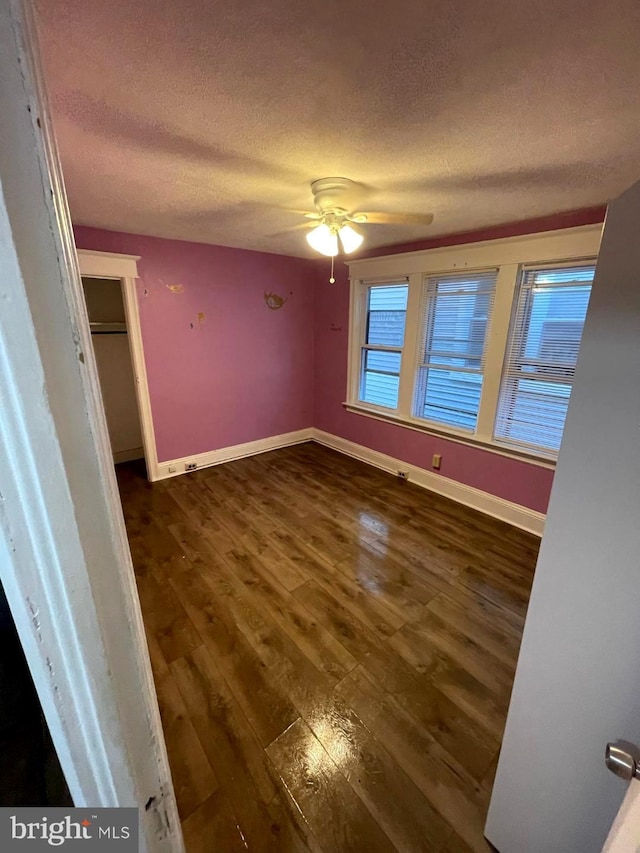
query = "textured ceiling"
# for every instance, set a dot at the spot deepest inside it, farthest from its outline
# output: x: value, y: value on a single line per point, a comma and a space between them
x: 206, y: 120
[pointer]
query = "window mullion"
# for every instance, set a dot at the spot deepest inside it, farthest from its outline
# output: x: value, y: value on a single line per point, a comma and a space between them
x: 495, y: 351
x: 381, y: 348
x: 410, y: 352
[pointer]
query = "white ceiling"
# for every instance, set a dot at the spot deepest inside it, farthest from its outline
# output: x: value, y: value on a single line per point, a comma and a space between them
x: 206, y: 120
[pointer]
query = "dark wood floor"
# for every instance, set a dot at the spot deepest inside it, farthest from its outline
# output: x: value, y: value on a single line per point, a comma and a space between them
x: 333, y: 651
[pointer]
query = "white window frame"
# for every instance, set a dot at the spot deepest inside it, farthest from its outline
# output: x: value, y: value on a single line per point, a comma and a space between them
x: 508, y: 255
x: 363, y: 310
x: 419, y: 362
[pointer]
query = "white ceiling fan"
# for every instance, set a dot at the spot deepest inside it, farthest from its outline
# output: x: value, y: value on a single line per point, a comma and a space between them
x: 338, y: 216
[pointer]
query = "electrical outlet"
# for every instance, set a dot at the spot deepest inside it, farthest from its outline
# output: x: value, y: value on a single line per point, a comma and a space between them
x: 403, y: 475
x: 191, y: 466
x: 172, y: 469
x: 436, y: 461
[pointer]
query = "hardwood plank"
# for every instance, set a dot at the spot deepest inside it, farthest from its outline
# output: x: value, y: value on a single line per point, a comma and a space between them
x: 415, y: 642
x: 481, y: 608
x: 280, y: 566
x: 455, y: 844
x: 336, y: 815
x: 394, y: 800
x: 268, y: 708
x: 503, y: 643
x: 290, y: 827
x: 212, y: 826
x: 365, y: 646
x: 229, y: 742
x: 158, y: 662
x: 490, y: 775
x: 471, y: 696
x: 167, y: 619
x: 154, y: 551
x: 468, y: 742
x: 399, y: 590
x: 429, y: 562
x: 445, y: 782
x: 320, y: 646
x: 193, y: 779
x: 217, y: 537
x: 290, y: 670
x: 373, y: 610
x: 508, y: 594
x: 322, y: 535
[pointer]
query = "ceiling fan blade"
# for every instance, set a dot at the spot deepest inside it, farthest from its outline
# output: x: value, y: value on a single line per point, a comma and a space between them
x: 302, y: 226
x: 298, y: 211
x: 399, y: 218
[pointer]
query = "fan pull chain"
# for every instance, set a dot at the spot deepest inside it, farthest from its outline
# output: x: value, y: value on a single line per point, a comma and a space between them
x: 332, y: 279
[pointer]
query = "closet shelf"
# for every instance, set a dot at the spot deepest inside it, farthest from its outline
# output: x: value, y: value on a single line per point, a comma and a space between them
x: 108, y: 328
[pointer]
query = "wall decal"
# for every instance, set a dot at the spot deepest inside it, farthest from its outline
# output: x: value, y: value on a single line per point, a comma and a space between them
x: 273, y: 301
x: 200, y: 318
x: 175, y: 288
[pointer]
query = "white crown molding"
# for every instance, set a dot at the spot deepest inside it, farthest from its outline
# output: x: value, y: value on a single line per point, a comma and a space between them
x: 174, y: 467
x: 518, y: 516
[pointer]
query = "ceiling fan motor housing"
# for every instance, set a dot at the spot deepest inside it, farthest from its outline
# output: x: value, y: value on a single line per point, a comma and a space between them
x: 334, y: 195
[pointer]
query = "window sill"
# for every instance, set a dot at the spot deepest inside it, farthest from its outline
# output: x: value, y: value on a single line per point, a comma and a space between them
x: 457, y: 437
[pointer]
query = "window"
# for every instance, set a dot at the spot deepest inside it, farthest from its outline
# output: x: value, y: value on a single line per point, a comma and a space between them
x: 455, y: 314
x: 541, y: 356
x: 475, y: 342
x: 381, y: 352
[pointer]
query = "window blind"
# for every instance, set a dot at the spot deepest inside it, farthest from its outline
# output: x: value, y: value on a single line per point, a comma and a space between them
x: 542, y: 352
x: 455, y: 313
x: 381, y: 353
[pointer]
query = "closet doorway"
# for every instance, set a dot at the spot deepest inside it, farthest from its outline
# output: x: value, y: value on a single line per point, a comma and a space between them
x: 109, y: 285
x: 109, y: 335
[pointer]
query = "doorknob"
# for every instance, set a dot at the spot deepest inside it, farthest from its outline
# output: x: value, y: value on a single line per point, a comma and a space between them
x: 621, y: 762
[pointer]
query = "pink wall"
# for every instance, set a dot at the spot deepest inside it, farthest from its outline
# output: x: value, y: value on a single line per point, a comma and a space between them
x: 520, y: 482
x: 245, y: 372
x: 241, y: 373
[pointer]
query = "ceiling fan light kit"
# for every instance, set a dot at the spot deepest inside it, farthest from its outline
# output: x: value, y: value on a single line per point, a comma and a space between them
x: 323, y: 240
x: 350, y: 238
x: 336, y: 201
x: 331, y: 233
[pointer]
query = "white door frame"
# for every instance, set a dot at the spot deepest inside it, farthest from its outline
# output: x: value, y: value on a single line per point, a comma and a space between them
x: 64, y: 558
x: 124, y: 268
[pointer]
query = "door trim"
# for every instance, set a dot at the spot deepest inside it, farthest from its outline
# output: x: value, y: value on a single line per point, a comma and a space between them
x: 95, y: 264
x: 64, y: 557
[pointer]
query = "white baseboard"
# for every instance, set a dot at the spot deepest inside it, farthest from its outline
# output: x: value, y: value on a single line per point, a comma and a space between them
x: 228, y: 454
x: 519, y: 516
